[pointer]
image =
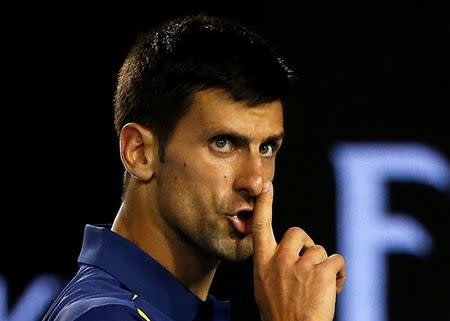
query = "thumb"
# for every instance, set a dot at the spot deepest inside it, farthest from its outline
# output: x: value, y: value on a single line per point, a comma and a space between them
x: 264, y: 243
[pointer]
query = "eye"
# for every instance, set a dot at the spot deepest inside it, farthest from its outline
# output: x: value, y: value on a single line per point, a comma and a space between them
x: 222, y: 145
x: 266, y: 150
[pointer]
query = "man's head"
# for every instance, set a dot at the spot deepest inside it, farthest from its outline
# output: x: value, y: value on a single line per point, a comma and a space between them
x: 204, y: 99
x: 169, y: 64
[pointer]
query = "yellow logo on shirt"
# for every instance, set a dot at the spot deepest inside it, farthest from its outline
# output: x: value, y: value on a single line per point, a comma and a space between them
x: 143, y: 315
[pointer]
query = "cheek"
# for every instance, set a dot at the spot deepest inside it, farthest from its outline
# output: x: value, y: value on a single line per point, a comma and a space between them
x: 211, y: 176
x: 197, y: 180
x: 269, y: 168
x: 272, y: 172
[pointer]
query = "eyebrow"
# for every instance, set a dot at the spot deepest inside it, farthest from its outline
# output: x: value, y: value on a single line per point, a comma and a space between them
x: 243, y: 138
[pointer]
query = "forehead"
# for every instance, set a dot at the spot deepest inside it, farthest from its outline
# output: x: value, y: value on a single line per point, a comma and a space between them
x: 215, y: 110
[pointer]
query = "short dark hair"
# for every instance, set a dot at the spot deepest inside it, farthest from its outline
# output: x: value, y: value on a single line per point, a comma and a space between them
x: 169, y: 64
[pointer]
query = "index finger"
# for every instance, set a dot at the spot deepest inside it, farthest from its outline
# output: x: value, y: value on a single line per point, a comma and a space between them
x: 264, y: 243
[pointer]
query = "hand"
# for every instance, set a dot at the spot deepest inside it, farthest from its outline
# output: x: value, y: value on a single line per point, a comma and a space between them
x: 295, y: 280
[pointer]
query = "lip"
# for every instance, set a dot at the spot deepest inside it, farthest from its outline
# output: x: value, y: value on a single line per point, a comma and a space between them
x: 241, y: 224
x: 244, y: 209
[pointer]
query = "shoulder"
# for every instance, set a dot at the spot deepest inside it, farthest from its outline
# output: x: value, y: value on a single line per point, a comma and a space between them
x: 109, y: 313
x: 99, y: 309
x: 93, y: 295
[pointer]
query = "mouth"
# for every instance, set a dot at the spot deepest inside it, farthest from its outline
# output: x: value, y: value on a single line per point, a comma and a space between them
x: 242, y: 221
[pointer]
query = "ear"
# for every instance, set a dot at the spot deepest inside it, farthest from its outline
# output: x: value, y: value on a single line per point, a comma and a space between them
x: 138, y: 151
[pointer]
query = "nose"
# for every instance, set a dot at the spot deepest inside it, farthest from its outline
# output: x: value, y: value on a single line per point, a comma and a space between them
x: 249, y: 176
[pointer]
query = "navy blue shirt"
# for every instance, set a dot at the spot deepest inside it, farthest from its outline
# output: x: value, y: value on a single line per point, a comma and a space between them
x: 119, y: 281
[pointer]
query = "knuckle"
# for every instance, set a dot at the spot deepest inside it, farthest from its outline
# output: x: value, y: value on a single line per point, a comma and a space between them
x: 338, y: 258
x: 320, y: 249
x: 283, y: 260
x: 326, y: 273
x: 295, y: 230
x: 304, y: 265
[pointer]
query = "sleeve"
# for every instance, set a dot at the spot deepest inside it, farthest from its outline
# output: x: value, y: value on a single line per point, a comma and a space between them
x: 110, y: 313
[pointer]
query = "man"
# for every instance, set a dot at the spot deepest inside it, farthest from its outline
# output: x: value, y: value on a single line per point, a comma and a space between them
x: 199, y: 112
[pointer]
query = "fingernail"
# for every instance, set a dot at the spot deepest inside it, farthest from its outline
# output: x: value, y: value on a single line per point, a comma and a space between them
x: 266, y: 187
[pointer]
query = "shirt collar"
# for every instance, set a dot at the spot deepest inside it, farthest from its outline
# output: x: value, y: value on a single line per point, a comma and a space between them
x: 143, y: 275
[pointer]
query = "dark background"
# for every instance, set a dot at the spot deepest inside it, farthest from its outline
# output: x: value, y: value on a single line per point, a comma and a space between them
x: 368, y: 73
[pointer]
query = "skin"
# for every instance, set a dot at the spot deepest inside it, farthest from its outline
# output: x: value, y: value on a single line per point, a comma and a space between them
x: 220, y: 159
x: 295, y: 270
x: 177, y: 210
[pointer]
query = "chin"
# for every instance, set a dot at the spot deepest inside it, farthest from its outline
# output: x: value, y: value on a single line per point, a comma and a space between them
x: 237, y: 250
x: 236, y: 258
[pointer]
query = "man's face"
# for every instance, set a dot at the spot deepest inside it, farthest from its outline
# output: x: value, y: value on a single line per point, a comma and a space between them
x: 216, y: 161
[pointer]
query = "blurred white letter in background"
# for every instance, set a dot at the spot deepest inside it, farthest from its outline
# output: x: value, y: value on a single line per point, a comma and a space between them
x: 35, y: 299
x: 366, y: 231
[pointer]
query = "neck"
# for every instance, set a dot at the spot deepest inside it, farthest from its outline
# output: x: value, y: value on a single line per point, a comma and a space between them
x: 184, y: 260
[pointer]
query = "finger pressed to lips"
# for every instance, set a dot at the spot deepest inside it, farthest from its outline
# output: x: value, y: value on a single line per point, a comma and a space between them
x: 264, y: 243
